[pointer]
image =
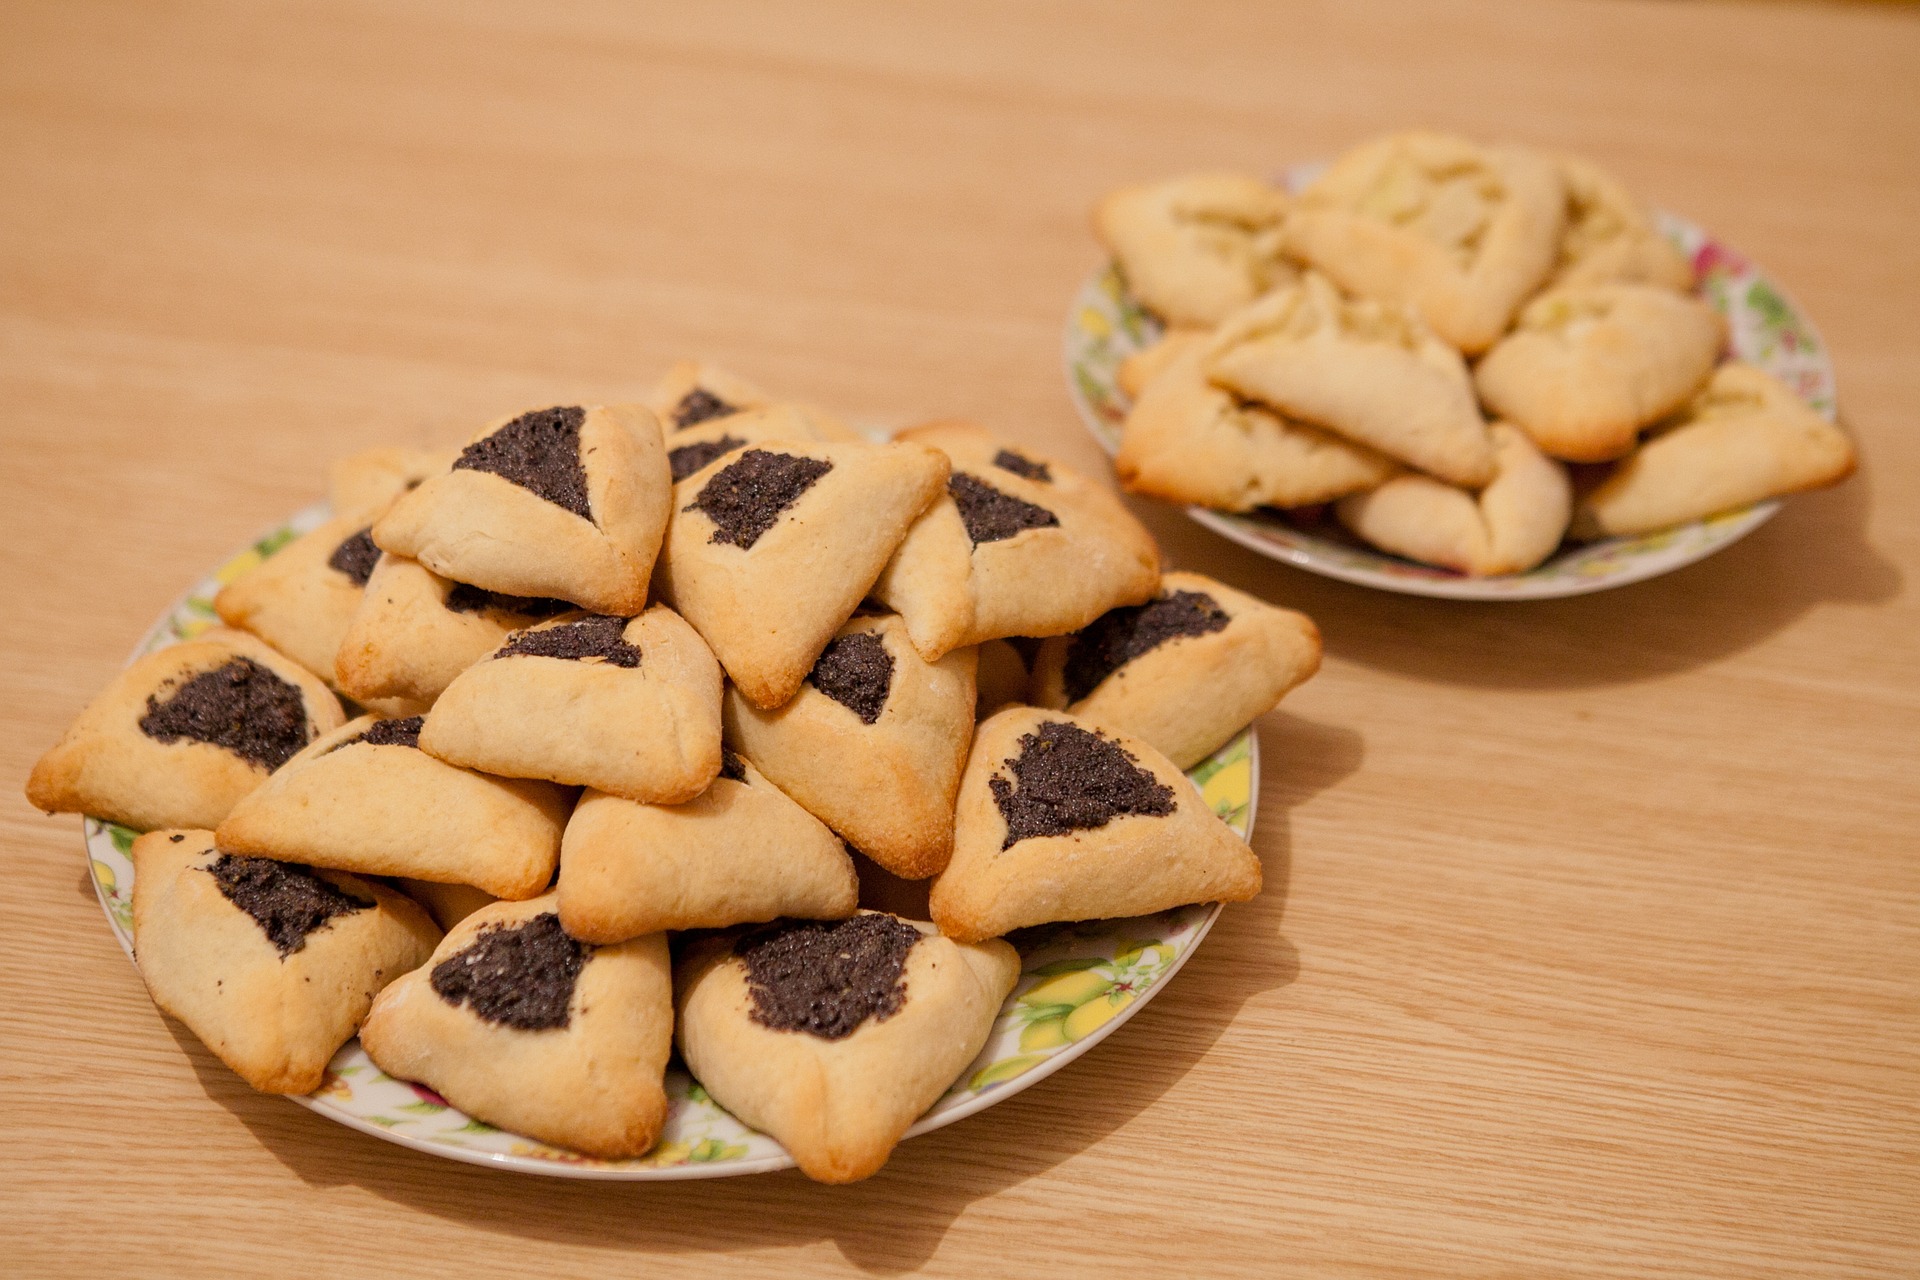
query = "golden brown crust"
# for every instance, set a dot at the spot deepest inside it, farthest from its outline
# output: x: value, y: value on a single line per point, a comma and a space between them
x: 105, y: 766
x: 595, y: 1085
x: 275, y: 1019
x: 1194, y: 248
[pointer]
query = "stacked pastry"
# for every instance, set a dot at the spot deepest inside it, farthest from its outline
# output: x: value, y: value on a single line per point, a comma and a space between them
x: 1424, y: 338
x: 631, y: 670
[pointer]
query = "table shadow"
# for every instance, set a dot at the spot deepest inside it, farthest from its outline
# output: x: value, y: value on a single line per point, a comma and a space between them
x: 1815, y: 552
x: 893, y: 1222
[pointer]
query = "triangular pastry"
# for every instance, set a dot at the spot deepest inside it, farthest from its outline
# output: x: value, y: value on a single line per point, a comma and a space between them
x: 1587, y: 367
x: 1059, y: 819
x: 1188, y: 440
x: 569, y: 501
x: 365, y: 798
x: 692, y: 448
x: 273, y: 965
x: 630, y: 706
x: 1508, y: 527
x: 737, y: 853
x: 1018, y: 546
x: 1194, y: 248
x: 414, y: 631
x: 179, y: 736
x: 1610, y: 238
x: 872, y: 744
x: 528, y: 1029
x: 371, y: 479
x: 1745, y: 437
x: 772, y: 548
x: 693, y: 392
x: 1463, y: 233
x: 1368, y: 370
x: 300, y: 598
x: 1183, y: 672
x: 835, y: 1037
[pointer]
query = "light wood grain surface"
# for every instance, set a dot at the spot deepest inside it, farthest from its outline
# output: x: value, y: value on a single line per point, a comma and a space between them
x: 1592, y: 941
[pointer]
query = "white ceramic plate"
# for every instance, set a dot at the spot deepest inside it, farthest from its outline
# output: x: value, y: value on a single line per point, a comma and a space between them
x: 1079, y: 982
x: 1107, y: 325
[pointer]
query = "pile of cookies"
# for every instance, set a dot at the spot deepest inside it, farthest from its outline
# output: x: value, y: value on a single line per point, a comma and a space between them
x: 1423, y: 338
x: 711, y: 663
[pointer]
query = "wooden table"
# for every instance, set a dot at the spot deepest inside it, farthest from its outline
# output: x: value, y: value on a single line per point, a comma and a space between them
x: 1593, y: 927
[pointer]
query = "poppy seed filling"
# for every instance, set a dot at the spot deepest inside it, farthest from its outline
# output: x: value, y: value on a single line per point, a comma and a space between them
x: 595, y: 637
x: 240, y: 706
x: 540, y: 452
x: 1066, y: 779
x: 689, y: 458
x: 1022, y: 466
x: 403, y: 731
x: 356, y: 557
x: 990, y: 515
x: 519, y: 975
x: 856, y: 671
x: 827, y: 977
x: 745, y: 498
x: 697, y: 406
x: 465, y: 599
x: 286, y: 899
x: 1118, y: 636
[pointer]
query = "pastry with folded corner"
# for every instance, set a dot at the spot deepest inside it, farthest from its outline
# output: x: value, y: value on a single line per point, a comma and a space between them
x: 1019, y: 545
x: 737, y: 853
x: 627, y: 705
x: 692, y: 448
x: 1744, y: 438
x: 1462, y: 232
x: 1188, y: 440
x: 1508, y: 527
x: 568, y: 502
x: 365, y: 798
x: 1369, y: 371
x: 528, y: 1029
x: 414, y: 631
x: 1059, y: 819
x: 1183, y: 672
x: 272, y: 964
x: 872, y: 744
x: 835, y: 1037
x: 371, y: 479
x: 1194, y: 248
x: 1610, y: 238
x: 773, y: 547
x: 1587, y: 367
x: 178, y: 737
x: 302, y: 597
x: 694, y: 391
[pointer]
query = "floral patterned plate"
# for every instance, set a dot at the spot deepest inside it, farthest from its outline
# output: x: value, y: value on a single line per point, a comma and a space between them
x: 1107, y: 324
x: 1079, y: 982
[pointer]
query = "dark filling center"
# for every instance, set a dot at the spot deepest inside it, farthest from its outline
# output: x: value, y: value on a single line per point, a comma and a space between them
x: 466, y: 599
x: 402, y: 732
x: 747, y: 496
x: 856, y: 671
x: 287, y: 900
x: 732, y: 767
x: 521, y: 975
x: 355, y: 557
x: 697, y: 406
x: 1119, y: 636
x: 595, y: 637
x: 540, y: 452
x: 826, y: 977
x: 1066, y: 779
x: 991, y: 515
x: 1021, y: 465
x: 689, y: 458
x: 240, y: 706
